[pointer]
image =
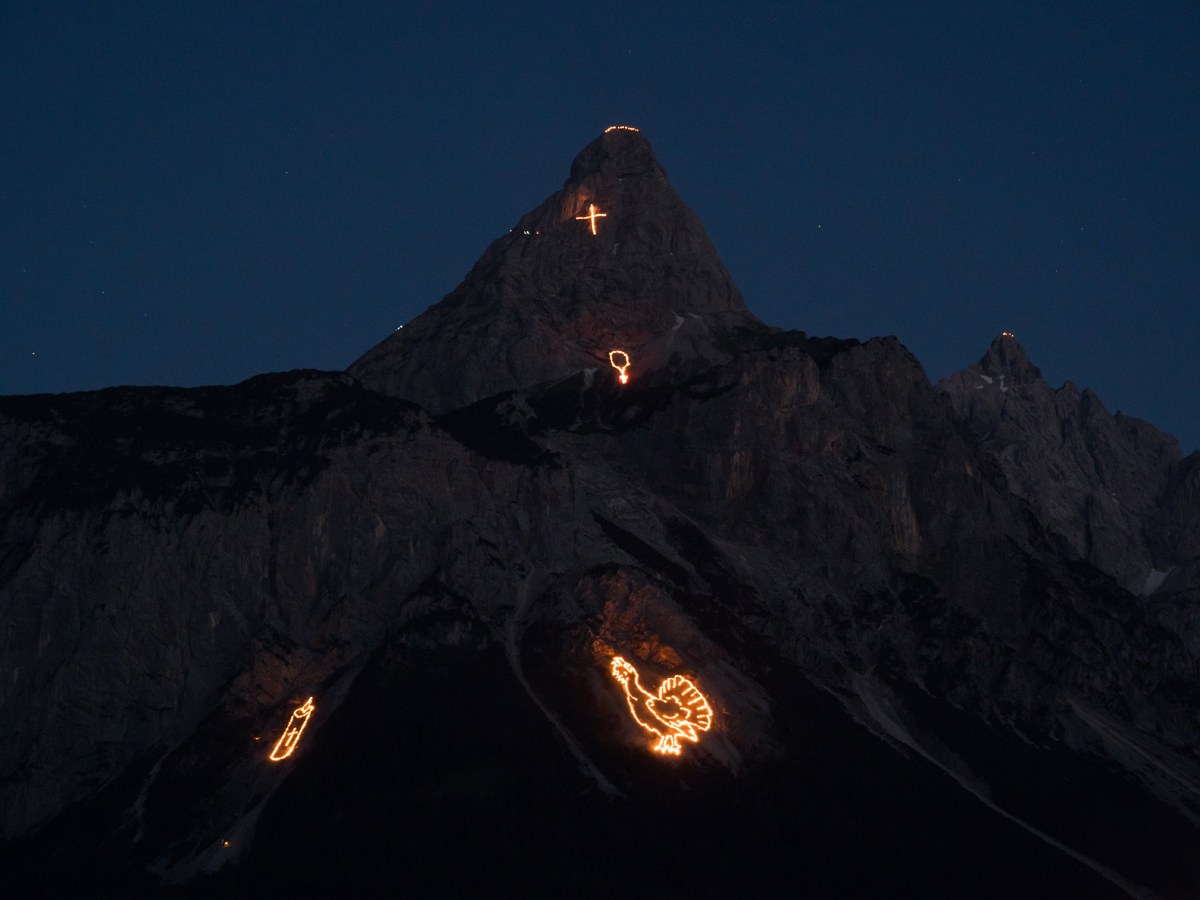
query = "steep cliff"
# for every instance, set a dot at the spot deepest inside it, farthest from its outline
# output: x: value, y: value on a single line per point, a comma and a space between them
x: 917, y: 688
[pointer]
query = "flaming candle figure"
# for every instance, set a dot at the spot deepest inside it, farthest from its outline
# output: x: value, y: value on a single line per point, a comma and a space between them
x: 613, y: 356
x: 291, y: 734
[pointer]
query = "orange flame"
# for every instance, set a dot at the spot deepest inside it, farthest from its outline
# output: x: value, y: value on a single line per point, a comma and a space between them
x: 592, y: 216
x: 291, y: 734
x: 679, y: 710
x: 620, y: 367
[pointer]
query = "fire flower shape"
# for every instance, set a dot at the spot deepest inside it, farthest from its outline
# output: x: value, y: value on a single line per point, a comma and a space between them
x: 613, y: 356
x: 291, y: 734
x: 678, y: 711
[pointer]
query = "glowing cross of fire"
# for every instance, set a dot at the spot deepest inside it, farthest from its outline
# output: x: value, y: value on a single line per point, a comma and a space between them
x: 592, y: 216
x: 291, y: 734
x: 678, y: 711
x: 620, y: 367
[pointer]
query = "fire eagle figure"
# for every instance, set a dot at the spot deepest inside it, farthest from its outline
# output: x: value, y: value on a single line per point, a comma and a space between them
x: 678, y: 711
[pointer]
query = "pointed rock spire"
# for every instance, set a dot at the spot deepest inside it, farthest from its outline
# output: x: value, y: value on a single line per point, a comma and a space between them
x: 551, y: 297
x: 1093, y: 478
x: 1007, y: 357
x: 981, y: 391
x: 619, y: 153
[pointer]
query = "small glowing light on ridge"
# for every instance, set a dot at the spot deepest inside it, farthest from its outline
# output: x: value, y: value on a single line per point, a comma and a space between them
x: 679, y: 710
x: 593, y: 216
x: 619, y: 128
x: 620, y: 367
x: 1007, y: 334
x: 291, y: 734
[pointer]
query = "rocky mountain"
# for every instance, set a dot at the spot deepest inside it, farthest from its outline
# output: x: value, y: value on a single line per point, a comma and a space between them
x: 1111, y: 489
x: 915, y: 684
x: 562, y: 289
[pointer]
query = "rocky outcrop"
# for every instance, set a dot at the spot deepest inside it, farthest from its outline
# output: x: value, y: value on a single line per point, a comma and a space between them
x: 1173, y: 530
x: 553, y: 296
x: 915, y: 681
x: 1110, y: 489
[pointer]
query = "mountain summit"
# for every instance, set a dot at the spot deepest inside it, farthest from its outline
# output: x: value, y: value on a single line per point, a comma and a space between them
x: 1006, y: 359
x: 563, y: 288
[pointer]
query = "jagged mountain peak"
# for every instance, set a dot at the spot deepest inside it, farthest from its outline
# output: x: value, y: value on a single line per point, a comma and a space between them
x: 1008, y: 358
x: 1098, y: 481
x: 614, y: 259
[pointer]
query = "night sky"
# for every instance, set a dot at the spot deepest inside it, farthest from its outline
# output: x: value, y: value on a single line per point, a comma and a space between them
x: 194, y: 194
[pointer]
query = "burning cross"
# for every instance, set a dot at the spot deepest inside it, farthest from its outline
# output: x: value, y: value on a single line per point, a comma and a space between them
x: 592, y: 216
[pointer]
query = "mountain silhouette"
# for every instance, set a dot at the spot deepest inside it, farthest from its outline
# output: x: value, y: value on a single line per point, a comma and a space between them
x: 942, y: 640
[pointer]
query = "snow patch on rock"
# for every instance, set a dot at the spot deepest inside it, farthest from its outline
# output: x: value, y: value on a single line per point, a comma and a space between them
x: 1154, y: 581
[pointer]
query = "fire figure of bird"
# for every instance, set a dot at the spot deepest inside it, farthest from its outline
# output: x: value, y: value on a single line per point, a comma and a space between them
x: 679, y: 710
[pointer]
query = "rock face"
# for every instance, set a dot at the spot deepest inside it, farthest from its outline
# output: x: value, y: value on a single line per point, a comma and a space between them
x: 551, y: 297
x: 918, y: 688
x: 1110, y: 489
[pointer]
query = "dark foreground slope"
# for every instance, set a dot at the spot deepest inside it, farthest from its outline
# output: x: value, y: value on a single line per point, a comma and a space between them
x: 915, y: 691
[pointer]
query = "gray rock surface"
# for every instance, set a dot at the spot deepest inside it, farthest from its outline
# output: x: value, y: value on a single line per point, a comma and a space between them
x: 1111, y: 489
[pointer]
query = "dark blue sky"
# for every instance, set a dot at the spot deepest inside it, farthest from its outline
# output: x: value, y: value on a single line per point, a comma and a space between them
x: 196, y: 195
